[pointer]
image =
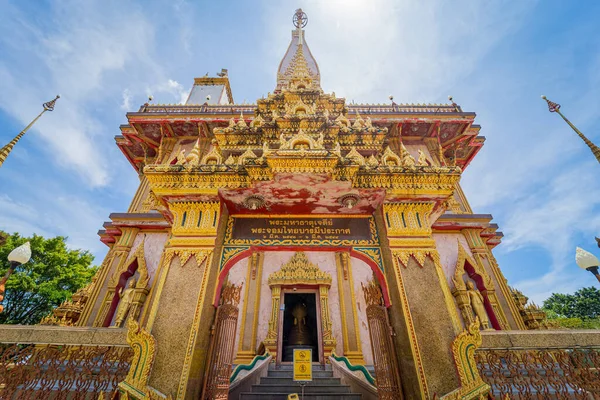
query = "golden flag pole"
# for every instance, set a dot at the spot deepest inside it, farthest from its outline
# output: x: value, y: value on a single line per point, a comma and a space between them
x: 554, y: 107
x: 5, y: 151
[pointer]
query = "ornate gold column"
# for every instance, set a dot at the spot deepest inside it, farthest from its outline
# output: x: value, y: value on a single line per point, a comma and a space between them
x: 422, y: 305
x: 249, y: 324
x: 216, y: 384
x: 349, y: 312
x: 506, y: 309
x: 384, y: 354
x: 271, y: 339
x: 181, y: 303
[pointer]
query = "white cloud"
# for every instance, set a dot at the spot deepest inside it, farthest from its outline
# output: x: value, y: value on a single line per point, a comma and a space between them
x: 126, y: 105
x: 88, y: 54
x: 367, y: 50
x: 171, y: 87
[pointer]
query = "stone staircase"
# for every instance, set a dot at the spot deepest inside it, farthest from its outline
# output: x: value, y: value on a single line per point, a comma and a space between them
x: 279, y: 383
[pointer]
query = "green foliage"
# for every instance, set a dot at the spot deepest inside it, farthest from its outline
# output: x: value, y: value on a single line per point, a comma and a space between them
x: 52, y: 275
x: 576, y: 323
x: 583, y: 304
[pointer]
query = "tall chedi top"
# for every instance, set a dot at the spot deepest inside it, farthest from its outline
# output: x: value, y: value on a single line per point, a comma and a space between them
x: 298, y: 64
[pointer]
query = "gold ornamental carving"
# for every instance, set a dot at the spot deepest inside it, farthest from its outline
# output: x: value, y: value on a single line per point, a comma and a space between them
x: 221, y: 352
x: 142, y: 269
x: 408, y: 219
x: 144, y: 350
x: 464, y: 346
x: 195, y: 218
x: 459, y: 271
x: 185, y: 254
x: 299, y: 271
x: 384, y: 352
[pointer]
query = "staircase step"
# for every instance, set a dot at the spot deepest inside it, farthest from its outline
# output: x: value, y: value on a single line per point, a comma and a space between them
x: 289, y: 381
x: 307, y: 396
x: 290, y: 374
x: 295, y: 388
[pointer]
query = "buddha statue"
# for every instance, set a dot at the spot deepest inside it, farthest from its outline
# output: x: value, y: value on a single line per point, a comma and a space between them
x: 126, y: 299
x: 299, y: 334
x: 478, y: 306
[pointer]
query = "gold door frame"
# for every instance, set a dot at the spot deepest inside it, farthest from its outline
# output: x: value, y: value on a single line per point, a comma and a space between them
x: 299, y: 271
x: 294, y: 290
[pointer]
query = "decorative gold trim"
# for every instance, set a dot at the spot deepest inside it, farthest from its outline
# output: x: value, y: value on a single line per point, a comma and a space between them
x: 358, y: 355
x: 408, y: 219
x: 459, y: 270
x: 259, y: 275
x: 352, y: 351
x: 412, y: 336
x: 142, y: 269
x: 161, y: 277
x: 195, y: 218
x: 241, y: 333
x: 299, y: 271
x: 143, y: 345
x: 463, y: 350
x: 185, y: 370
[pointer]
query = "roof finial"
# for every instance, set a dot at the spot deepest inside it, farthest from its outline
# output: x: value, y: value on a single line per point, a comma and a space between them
x: 555, y: 107
x: 5, y: 151
x: 300, y: 21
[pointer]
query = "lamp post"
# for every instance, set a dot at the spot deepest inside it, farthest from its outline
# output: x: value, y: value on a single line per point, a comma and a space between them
x: 17, y: 257
x: 588, y: 261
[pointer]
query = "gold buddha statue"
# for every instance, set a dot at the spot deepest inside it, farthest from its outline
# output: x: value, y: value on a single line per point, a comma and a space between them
x: 299, y: 334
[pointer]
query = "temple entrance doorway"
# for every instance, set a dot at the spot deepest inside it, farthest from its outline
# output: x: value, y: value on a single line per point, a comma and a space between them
x: 300, y: 328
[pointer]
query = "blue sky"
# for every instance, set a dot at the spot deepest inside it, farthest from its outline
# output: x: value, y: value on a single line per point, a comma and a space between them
x: 496, y: 58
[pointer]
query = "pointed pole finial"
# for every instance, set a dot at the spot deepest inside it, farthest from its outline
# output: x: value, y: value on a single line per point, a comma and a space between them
x: 555, y: 107
x: 552, y: 106
x: 49, y: 106
x: 5, y: 151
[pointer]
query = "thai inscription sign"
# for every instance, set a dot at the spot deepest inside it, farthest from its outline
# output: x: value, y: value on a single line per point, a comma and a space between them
x: 302, y: 229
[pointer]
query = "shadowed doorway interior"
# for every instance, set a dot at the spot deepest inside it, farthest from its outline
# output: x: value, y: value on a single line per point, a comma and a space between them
x: 300, y: 325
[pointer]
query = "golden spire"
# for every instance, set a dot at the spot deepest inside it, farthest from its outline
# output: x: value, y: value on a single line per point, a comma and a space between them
x: 298, y: 68
x: 554, y: 107
x: 5, y: 151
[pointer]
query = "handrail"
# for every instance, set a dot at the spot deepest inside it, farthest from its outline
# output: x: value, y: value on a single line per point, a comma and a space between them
x: 248, y: 367
x: 353, y: 368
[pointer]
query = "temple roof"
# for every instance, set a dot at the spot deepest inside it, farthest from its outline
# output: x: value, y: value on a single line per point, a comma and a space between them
x: 211, y: 90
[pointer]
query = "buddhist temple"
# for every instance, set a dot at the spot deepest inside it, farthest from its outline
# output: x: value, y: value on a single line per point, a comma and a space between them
x: 300, y: 222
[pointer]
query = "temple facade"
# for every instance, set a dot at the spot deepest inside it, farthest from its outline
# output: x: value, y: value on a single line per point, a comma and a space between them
x: 300, y: 221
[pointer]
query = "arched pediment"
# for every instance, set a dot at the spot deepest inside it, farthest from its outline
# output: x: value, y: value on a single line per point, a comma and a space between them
x: 142, y: 269
x: 299, y: 271
x: 459, y: 271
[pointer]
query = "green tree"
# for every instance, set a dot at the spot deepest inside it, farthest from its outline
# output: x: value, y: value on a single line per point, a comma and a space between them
x: 52, y: 275
x: 583, y: 304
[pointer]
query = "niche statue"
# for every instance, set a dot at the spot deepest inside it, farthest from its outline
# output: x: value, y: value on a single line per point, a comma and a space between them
x: 476, y: 300
x: 126, y: 298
